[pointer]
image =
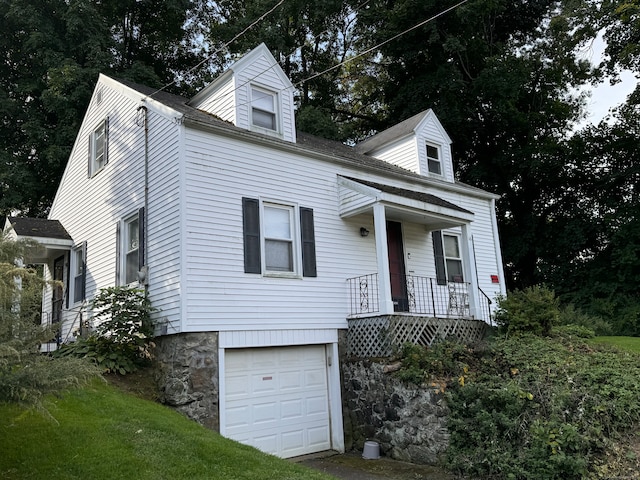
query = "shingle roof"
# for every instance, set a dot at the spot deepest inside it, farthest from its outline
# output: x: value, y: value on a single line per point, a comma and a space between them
x: 400, y: 130
x: 309, y: 142
x: 39, y: 227
x: 403, y: 192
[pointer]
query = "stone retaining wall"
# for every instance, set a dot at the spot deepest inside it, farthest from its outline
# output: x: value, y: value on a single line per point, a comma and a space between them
x: 187, y: 375
x: 408, y: 421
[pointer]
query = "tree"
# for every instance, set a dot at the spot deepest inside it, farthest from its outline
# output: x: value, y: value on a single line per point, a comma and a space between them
x: 54, y: 51
x: 26, y: 375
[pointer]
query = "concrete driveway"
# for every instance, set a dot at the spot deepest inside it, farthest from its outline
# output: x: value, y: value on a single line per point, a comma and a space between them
x: 351, y: 466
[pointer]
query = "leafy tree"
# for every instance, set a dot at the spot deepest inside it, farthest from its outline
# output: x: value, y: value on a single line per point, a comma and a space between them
x: 26, y: 375
x: 54, y: 50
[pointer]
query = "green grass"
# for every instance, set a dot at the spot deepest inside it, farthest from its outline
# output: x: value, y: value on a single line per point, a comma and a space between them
x: 629, y: 344
x: 100, y: 432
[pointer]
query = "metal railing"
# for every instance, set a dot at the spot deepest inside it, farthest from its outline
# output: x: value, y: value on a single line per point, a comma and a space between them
x: 419, y: 295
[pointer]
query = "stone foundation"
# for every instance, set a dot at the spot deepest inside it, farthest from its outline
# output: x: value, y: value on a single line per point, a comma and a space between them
x: 408, y: 421
x: 187, y: 375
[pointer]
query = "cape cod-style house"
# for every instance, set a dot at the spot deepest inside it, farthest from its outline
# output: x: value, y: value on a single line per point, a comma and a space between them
x: 264, y: 248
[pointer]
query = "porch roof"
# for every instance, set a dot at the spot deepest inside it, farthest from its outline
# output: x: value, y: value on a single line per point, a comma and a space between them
x: 413, y: 205
x: 49, y: 234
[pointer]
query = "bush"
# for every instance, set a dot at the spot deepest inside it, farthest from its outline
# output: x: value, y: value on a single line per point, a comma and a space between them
x: 122, y: 341
x: 570, y: 315
x: 532, y: 310
x: 541, y: 409
x: 444, y: 359
x: 26, y: 375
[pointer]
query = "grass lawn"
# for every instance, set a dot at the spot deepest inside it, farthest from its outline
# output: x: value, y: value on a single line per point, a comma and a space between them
x: 630, y: 344
x: 100, y: 432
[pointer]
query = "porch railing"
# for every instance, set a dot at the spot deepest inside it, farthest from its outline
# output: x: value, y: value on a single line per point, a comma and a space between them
x: 419, y: 295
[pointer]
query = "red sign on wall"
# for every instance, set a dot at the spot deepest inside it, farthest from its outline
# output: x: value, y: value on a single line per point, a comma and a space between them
x: 495, y: 279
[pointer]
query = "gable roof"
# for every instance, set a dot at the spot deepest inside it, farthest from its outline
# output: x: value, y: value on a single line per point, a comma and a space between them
x: 310, y: 144
x: 38, y: 227
x: 403, y: 129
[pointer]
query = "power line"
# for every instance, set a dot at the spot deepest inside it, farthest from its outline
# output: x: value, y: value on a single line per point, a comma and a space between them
x: 226, y: 45
x: 383, y: 43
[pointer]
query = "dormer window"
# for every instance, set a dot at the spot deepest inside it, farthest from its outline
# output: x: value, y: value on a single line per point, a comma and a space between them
x: 263, y: 109
x: 434, y: 164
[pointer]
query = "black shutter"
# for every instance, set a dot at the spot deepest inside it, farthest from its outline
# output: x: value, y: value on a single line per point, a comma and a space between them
x: 438, y: 253
x: 251, y: 232
x: 141, y: 240
x: 308, y: 243
x: 106, y: 140
x: 66, y: 266
x: 118, y: 253
x: 84, y: 271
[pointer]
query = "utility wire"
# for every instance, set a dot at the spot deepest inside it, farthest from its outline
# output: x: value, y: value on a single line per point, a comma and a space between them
x: 226, y: 45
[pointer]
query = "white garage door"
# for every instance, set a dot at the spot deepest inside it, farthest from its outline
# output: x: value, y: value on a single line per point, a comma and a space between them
x: 276, y: 399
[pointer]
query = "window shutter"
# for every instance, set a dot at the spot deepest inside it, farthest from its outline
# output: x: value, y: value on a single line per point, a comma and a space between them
x: 308, y: 243
x: 251, y: 232
x: 106, y: 140
x: 438, y: 253
x: 67, y: 279
x: 83, y: 290
x: 141, y: 237
x: 118, y: 253
x: 90, y: 154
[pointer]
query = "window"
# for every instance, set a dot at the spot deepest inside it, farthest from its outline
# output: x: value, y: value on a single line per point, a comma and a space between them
x: 433, y: 160
x: 98, y: 148
x: 453, y: 259
x: 130, y: 248
x: 448, y: 258
x: 132, y: 237
x: 272, y: 244
x: 263, y: 109
x: 278, y: 238
x: 78, y: 272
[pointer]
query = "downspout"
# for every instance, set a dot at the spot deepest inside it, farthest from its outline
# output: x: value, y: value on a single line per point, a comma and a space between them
x: 145, y: 272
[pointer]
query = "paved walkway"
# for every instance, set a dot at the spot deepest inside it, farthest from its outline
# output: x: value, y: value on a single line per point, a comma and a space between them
x: 351, y: 466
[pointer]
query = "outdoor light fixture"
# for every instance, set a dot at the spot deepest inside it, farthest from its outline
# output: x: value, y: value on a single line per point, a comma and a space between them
x: 364, y: 232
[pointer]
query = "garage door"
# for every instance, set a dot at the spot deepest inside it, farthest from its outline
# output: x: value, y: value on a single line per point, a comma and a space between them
x: 276, y: 399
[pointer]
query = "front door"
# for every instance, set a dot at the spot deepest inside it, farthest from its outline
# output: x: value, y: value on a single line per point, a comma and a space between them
x: 396, y: 267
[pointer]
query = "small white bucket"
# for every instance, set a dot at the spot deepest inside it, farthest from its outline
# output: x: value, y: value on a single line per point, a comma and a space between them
x: 371, y: 451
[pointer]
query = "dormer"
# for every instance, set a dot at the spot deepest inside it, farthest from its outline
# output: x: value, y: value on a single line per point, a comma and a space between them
x: 254, y: 94
x: 419, y: 144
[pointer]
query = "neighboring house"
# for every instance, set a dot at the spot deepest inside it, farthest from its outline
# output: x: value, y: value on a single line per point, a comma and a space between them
x: 262, y: 245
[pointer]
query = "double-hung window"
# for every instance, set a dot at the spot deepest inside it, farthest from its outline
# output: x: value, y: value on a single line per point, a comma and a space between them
x: 130, y: 248
x: 279, y: 239
x: 99, y: 147
x: 434, y: 164
x: 78, y: 272
x: 264, y: 109
x: 448, y: 258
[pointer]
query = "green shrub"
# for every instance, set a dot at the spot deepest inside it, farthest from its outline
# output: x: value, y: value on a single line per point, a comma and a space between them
x: 532, y: 310
x: 122, y: 341
x: 541, y: 408
x: 569, y: 331
x: 444, y: 359
x: 26, y: 375
x: 570, y: 315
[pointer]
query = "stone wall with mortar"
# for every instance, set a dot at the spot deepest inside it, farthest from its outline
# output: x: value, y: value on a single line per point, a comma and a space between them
x: 409, y: 421
x: 187, y: 375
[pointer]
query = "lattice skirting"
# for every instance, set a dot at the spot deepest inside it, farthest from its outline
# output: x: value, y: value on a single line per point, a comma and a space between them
x: 375, y: 337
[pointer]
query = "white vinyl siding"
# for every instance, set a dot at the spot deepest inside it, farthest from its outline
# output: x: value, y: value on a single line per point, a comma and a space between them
x: 403, y: 153
x: 91, y: 208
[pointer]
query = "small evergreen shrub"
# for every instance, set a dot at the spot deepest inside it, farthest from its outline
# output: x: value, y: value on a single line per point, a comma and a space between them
x: 122, y: 341
x: 532, y: 310
x: 570, y: 315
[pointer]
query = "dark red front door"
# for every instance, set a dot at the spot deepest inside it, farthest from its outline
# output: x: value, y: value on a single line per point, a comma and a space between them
x: 396, y: 267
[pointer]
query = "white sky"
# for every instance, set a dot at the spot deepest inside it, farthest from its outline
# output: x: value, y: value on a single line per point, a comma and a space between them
x: 605, y: 96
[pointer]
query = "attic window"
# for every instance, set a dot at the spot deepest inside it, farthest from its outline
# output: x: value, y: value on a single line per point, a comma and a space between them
x: 433, y: 160
x: 263, y: 109
x: 98, y: 147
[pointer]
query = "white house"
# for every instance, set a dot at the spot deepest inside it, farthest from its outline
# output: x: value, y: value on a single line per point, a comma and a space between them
x: 263, y: 246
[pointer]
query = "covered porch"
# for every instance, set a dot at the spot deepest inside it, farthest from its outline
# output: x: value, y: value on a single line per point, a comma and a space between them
x: 396, y: 304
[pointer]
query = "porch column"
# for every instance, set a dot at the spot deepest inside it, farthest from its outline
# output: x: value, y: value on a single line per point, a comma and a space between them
x: 382, y: 254
x: 469, y: 262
